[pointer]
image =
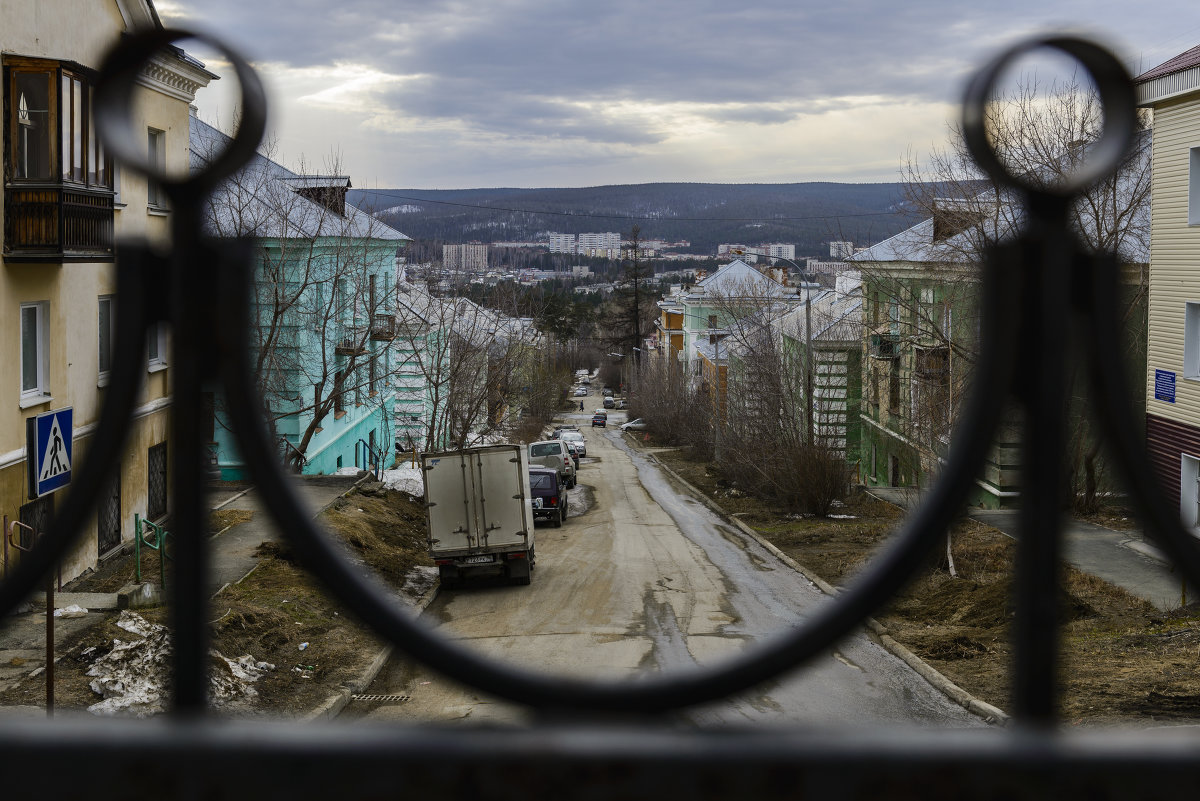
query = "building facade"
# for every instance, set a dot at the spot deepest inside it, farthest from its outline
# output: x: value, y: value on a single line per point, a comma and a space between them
x: 1172, y: 90
x: 66, y: 209
x: 324, y: 334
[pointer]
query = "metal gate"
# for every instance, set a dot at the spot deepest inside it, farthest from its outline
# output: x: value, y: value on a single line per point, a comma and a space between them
x: 606, y: 740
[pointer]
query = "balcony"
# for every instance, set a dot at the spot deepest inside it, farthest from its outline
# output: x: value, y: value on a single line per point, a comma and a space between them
x: 57, y: 223
x: 383, y: 329
x: 350, y: 342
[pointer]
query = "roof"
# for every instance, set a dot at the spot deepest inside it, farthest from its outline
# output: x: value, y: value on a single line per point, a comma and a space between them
x: 263, y: 200
x: 738, y: 279
x: 1172, y: 79
x: 1183, y: 61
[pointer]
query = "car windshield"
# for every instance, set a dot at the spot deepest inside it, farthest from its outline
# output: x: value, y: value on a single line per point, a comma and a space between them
x: 544, y: 449
x: 572, y: 435
x: 541, y: 481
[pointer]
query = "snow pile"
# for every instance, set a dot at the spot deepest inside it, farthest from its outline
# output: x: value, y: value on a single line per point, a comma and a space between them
x: 74, y: 610
x: 132, y: 677
x: 419, y: 580
x: 405, y: 479
x: 348, y: 471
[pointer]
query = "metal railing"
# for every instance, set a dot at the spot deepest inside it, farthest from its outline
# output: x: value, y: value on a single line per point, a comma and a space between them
x: 148, y: 534
x: 611, y: 739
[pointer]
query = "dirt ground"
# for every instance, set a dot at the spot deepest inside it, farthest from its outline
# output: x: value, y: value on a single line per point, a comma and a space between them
x: 1123, y: 661
x: 271, y: 613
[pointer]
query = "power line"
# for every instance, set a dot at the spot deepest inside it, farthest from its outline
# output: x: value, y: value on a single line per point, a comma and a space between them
x: 630, y: 216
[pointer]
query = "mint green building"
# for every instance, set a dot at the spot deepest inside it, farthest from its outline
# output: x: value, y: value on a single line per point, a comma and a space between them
x: 324, y: 305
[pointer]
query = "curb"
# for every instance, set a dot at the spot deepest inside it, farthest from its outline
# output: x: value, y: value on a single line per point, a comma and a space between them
x: 982, y: 709
x: 335, y: 703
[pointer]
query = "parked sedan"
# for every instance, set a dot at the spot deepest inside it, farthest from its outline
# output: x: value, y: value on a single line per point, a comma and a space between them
x: 581, y: 392
x: 635, y: 425
x: 577, y: 438
x: 574, y: 451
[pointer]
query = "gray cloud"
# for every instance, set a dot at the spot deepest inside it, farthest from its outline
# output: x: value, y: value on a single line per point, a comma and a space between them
x: 537, y: 69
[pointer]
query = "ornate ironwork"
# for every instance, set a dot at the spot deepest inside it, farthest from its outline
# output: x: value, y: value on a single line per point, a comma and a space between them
x: 1029, y: 284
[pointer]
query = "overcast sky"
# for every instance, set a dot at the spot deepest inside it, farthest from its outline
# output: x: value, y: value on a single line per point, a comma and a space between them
x: 537, y: 93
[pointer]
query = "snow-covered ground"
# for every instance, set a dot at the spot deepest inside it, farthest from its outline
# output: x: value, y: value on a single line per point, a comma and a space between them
x: 405, y: 479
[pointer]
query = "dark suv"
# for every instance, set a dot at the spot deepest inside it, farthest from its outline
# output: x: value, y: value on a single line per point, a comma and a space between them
x: 549, y: 495
x: 600, y: 419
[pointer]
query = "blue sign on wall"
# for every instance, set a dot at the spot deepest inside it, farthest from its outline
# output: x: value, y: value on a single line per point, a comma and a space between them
x: 48, y: 442
x: 1164, y: 386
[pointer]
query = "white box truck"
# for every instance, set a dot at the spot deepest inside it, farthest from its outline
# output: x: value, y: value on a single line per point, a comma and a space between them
x: 479, y: 513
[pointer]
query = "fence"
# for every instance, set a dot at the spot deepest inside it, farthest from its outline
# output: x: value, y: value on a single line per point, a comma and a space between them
x: 601, y: 740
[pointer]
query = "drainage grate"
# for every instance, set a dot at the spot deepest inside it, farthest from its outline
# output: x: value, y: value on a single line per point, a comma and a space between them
x: 386, y: 699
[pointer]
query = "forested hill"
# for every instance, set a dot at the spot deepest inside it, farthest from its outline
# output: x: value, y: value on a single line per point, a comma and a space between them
x: 806, y: 214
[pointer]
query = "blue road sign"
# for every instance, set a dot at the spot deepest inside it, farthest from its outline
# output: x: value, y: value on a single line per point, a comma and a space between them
x: 49, y: 448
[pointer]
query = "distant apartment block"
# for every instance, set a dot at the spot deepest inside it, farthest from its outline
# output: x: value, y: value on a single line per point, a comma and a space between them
x: 581, y: 271
x: 773, y: 250
x: 471, y: 256
x: 562, y: 243
x: 606, y: 245
x: 840, y: 250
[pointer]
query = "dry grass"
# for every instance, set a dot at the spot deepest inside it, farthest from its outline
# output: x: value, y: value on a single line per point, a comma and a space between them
x: 275, y: 609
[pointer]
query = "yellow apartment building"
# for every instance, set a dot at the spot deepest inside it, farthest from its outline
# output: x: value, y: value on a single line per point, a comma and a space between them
x: 65, y: 208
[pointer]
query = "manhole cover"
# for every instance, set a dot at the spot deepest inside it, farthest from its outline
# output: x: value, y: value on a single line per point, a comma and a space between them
x: 383, y: 699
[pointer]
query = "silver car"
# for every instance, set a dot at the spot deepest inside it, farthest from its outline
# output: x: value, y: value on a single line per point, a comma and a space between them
x: 553, y: 453
x: 577, y: 438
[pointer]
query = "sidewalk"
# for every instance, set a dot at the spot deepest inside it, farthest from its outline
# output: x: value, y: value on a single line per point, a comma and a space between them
x: 1122, y: 558
x: 23, y: 636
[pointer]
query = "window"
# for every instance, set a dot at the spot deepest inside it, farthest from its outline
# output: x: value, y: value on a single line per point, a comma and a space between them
x: 1194, y: 186
x: 32, y: 138
x: 34, y: 350
x: 156, y: 346
x: 156, y: 152
x: 104, y: 335
x: 156, y: 482
x: 1191, y: 341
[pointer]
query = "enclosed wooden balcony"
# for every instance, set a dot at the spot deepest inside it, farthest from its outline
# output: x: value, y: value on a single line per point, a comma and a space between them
x: 383, y: 329
x: 57, y: 223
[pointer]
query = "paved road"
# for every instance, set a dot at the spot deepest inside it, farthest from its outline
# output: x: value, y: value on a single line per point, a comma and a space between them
x: 648, y: 579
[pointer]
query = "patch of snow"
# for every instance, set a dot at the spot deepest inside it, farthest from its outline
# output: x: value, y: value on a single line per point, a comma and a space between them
x: 405, y: 479
x: 842, y: 517
x: 419, y: 580
x: 347, y: 471
x: 74, y: 610
x: 132, y: 676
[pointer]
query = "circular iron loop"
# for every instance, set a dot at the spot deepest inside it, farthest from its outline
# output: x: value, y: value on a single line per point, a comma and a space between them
x: 104, y: 452
x: 1117, y: 99
x: 886, y: 574
x: 114, y: 100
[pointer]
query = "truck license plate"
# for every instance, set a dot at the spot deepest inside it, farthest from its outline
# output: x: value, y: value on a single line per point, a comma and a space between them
x: 478, y: 560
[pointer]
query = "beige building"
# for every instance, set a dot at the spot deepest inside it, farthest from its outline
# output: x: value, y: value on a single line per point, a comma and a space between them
x: 1172, y: 90
x: 65, y: 209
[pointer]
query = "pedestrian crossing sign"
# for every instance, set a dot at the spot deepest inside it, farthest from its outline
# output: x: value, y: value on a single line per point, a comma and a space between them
x: 48, y: 455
